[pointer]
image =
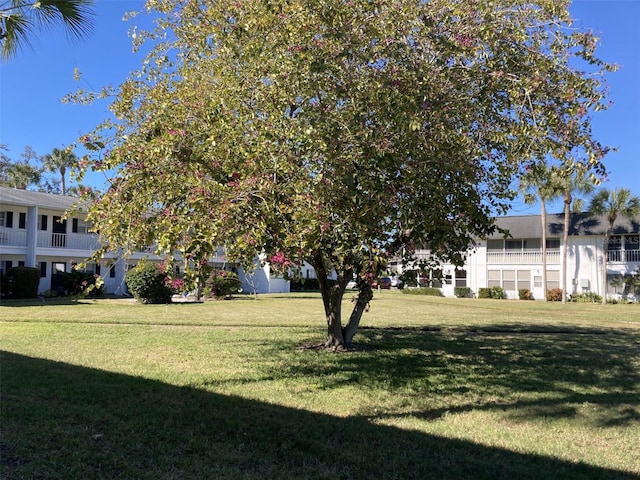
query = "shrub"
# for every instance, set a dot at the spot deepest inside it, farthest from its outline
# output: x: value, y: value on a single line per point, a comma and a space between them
x: 21, y: 282
x: 484, y: 293
x: 76, y: 283
x: 462, y: 292
x: 223, y: 284
x: 434, y: 292
x: 586, y: 297
x: 497, y: 293
x: 147, y: 282
x: 554, y: 295
x: 525, y: 294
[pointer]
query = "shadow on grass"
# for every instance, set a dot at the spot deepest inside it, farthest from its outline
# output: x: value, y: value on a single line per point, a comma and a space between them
x: 534, y: 372
x: 63, y: 421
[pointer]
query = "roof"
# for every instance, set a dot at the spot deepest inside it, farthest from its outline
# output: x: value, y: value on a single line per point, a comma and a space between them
x: 27, y: 198
x: 580, y: 224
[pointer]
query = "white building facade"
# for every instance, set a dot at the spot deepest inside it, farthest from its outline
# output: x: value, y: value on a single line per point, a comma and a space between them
x: 515, y: 262
x: 35, y: 233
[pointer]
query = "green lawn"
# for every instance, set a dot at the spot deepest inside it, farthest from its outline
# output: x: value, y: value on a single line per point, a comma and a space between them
x: 443, y: 389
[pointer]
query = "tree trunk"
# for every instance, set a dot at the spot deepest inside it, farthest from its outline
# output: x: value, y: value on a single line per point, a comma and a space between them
x: 337, y: 336
x: 543, y: 216
x: 605, y: 249
x: 565, y: 241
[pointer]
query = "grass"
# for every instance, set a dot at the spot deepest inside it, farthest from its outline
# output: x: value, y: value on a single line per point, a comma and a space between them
x: 445, y: 388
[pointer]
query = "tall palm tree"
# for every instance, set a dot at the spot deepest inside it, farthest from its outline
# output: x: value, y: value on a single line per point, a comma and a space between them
x: 574, y: 180
x: 541, y: 184
x: 19, y: 19
x: 58, y: 161
x: 612, y: 203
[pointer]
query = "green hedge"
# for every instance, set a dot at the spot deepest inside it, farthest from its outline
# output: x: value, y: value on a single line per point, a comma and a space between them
x: 433, y: 292
x: 21, y: 282
x: 223, y: 284
x: 462, y: 292
x: 497, y: 293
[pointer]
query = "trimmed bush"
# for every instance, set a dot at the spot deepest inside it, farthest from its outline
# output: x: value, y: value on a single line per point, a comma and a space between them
x: 21, y: 282
x: 462, y: 292
x: 497, y: 293
x: 223, y: 284
x: 525, y: 294
x: 433, y: 292
x: 554, y: 295
x: 147, y: 282
x: 484, y: 293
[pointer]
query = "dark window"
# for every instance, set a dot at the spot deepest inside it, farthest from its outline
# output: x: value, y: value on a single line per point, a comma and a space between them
x: 21, y: 263
x: 74, y: 225
x: 112, y: 272
x: 8, y: 220
x: 97, y: 269
x: 22, y: 221
x: 43, y: 222
x: 43, y: 269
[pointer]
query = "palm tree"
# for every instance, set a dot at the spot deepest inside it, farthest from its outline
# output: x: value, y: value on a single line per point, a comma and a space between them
x: 20, y: 18
x: 540, y: 184
x: 573, y: 181
x: 58, y: 161
x: 612, y: 203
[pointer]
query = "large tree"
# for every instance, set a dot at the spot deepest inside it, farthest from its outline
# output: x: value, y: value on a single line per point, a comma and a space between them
x: 612, y: 203
x: 541, y: 185
x: 339, y: 132
x: 21, y: 19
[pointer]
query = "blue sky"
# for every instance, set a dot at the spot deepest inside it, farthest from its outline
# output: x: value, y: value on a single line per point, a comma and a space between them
x: 32, y: 85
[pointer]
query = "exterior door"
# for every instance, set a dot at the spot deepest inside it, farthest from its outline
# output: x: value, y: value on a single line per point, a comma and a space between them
x: 57, y: 284
x: 59, y: 232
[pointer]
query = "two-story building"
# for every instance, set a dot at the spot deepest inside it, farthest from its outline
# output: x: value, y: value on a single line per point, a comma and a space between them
x: 515, y: 262
x: 35, y: 233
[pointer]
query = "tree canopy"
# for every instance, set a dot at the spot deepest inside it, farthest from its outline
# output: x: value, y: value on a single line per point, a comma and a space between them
x: 19, y: 19
x: 340, y: 132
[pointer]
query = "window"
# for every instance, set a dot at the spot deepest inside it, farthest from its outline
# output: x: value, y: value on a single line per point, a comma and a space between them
x: 42, y: 224
x: 43, y: 269
x: 461, y: 278
x: 537, y: 281
x: 615, y: 242
x: 513, y: 244
x: 80, y: 226
x: 524, y: 279
x: 553, y: 279
x: 6, y: 219
x: 553, y: 243
x: 112, y: 271
x: 632, y: 242
x: 494, y: 245
x: 509, y: 279
x: 22, y: 221
x: 493, y: 278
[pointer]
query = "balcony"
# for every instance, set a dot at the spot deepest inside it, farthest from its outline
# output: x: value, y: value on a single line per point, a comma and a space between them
x: 522, y: 257
x: 623, y: 256
x: 13, y: 238
x: 68, y: 241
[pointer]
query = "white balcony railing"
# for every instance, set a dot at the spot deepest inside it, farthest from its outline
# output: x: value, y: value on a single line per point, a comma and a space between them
x: 68, y: 241
x: 533, y: 257
x: 13, y: 238
x: 623, y: 256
